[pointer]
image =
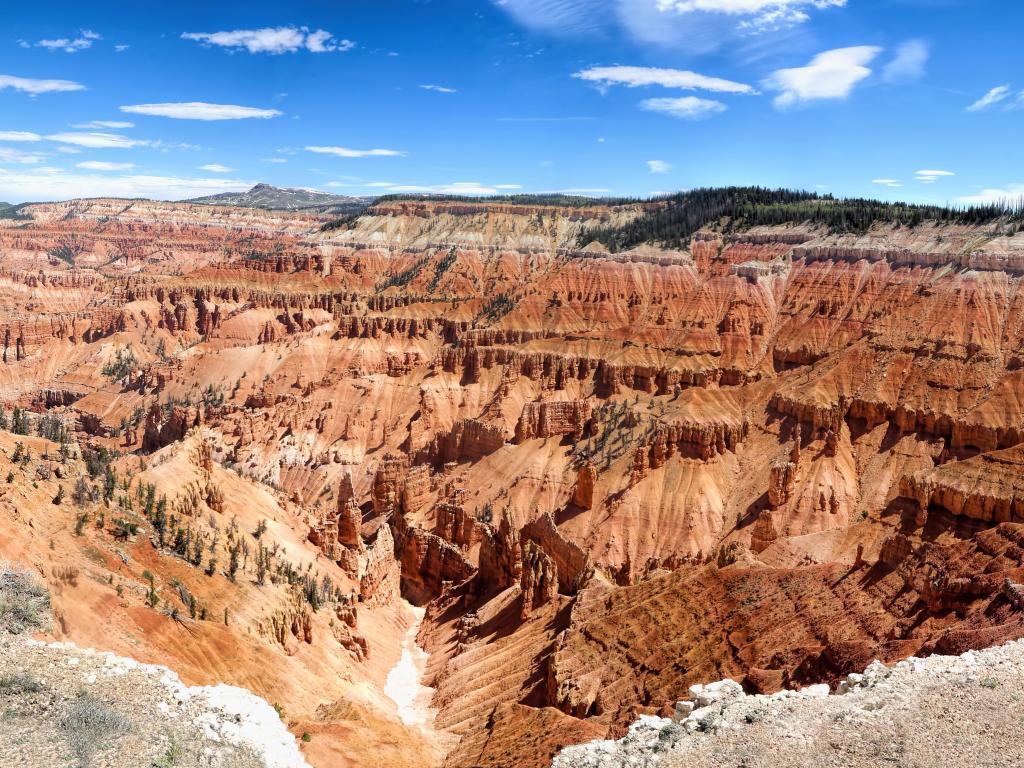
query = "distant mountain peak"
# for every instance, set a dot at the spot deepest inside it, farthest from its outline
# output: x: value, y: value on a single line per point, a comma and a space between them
x: 269, y: 197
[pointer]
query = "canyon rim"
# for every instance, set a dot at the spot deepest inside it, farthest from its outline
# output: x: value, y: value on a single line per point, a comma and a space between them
x: 696, y: 428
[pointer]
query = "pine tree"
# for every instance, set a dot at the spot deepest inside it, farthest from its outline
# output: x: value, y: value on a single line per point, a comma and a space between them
x: 81, y: 493
x: 19, y: 422
x: 233, y: 552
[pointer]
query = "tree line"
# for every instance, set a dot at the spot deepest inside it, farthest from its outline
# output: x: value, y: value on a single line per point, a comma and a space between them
x: 674, y: 220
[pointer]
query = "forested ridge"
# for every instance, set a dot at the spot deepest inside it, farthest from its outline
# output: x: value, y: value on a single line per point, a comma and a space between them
x: 554, y: 200
x: 672, y: 221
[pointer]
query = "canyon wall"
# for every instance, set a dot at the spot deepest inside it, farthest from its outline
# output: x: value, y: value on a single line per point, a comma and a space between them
x: 771, y: 456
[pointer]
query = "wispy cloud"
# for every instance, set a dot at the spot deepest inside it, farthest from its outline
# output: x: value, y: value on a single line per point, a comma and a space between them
x: 887, y: 182
x: 55, y: 184
x: 273, y: 40
x: 67, y: 44
x: 17, y: 156
x: 573, y: 119
x: 1009, y: 194
x: 216, y: 168
x: 97, y: 140
x: 199, y: 110
x: 585, y: 191
x: 685, y: 108
x: 830, y: 75
x: 34, y: 87
x: 558, y: 16
x: 695, y: 25
x: 909, y: 63
x: 346, y: 152
x: 100, y: 165
x: 454, y: 188
x: 634, y: 77
x: 438, y: 89
x: 659, y: 166
x: 19, y: 136
x: 99, y: 125
x: 994, y: 96
x: 931, y: 176
x: 756, y: 16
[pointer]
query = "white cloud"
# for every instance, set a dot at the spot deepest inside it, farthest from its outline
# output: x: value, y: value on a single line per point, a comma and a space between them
x: 167, y: 146
x: 760, y: 15
x: 273, y: 40
x: 216, y: 168
x: 438, y: 88
x: 740, y: 7
x: 455, y: 188
x: 323, y: 42
x: 69, y: 45
x: 17, y: 156
x: 121, y: 48
x: 55, y: 184
x: 686, y: 108
x: 559, y: 16
x: 19, y: 136
x: 1009, y: 194
x: 28, y: 85
x: 94, y: 125
x: 634, y: 77
x: 278, y: 160
x: 198, y: 110
x: 696, y: 26
x: 586, y: 191
x: 994, y: 96
x: 909, y: 63
x: 96, y: 140
x: 99, y: 165
x: 830, y: 75
x: 887, y: 182
x: 931, y: 176
x: 346, y: 152
x: 659, y: 166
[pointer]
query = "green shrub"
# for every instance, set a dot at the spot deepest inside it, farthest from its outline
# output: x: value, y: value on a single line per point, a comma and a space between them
x: 89, y: 724
x: 19, y: 682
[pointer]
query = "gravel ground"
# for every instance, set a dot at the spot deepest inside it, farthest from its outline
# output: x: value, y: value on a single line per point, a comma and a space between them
x: 64, y: 706
x: 67, y: 707
x: 919, y: 713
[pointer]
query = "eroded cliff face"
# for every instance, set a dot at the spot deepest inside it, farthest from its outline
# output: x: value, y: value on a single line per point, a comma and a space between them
x: 774, y: 456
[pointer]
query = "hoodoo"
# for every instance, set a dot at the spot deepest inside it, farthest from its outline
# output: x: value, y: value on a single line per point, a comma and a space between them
x: 634, y: 455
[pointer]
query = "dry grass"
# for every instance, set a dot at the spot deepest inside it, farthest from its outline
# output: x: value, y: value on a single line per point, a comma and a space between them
x: 89, y: 725
x: 24, y: 602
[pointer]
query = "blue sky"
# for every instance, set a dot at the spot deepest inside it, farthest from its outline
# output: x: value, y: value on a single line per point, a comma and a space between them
x: 900, y: 99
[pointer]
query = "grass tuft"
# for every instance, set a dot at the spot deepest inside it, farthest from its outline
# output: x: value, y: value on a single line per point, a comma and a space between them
x: 88, y: 724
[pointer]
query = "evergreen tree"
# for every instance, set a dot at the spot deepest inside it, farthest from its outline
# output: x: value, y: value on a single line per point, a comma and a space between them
x: 19, y: 422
